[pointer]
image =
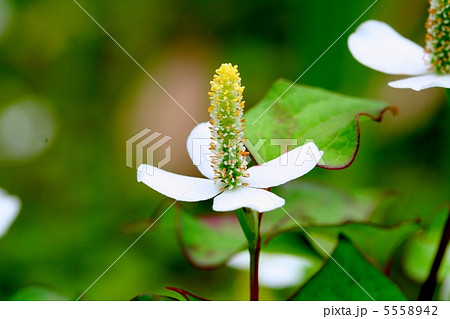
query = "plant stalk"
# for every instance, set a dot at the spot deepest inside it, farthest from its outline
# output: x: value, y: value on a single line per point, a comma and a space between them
x: 254, y: 264
x: 429, y: 286
x: 251, y: 222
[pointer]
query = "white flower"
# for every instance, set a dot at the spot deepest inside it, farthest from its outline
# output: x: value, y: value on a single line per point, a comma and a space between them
x: 275, y: 270
x: 9, y: 209
x: 251, y: 194
x: 378, y: 46
x: 223, y: 160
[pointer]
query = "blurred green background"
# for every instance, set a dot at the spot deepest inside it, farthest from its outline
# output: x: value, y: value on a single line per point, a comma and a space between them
x: 70, y: 98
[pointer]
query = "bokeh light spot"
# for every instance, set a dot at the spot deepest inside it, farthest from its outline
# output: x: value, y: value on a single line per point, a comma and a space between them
x: 26, y: 129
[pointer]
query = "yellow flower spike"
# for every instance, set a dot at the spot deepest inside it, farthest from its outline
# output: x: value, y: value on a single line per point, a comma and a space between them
x: 226, y: 110
x: 438, y: 35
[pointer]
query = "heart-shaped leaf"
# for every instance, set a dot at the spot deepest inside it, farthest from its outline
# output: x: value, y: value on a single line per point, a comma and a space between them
x: 302, y: 113
x: 347, y: 276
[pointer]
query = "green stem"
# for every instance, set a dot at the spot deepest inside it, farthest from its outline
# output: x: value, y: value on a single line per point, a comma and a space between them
x: 250, y: 222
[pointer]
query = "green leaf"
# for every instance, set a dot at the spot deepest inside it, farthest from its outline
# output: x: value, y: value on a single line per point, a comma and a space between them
x: 304, y: 113
x: 318, y: 204
x: 208, y: 241
x: 421, y: 250
x: 333, y: 284
x: 36, y: 293
x: 152, y: 297
x: 187, y: 295
x: 367, y: 237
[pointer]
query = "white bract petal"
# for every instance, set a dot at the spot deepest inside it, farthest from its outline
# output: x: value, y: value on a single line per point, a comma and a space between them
x: 284, y: 168
x: 423, y: 82
x: 243, y: 196
x: 9, y: 209
x: 198, y: 144
x: 275, y: 270
x: 179, y: 187
x: 378, y: 46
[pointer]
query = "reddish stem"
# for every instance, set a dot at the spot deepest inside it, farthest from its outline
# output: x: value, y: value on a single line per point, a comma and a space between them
x: 254, y: 265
